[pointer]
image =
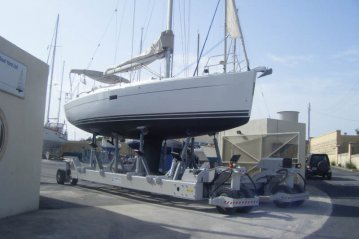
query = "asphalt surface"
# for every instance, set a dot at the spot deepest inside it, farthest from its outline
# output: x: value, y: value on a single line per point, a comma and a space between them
x: 90, y: 210
x: 343, y: 190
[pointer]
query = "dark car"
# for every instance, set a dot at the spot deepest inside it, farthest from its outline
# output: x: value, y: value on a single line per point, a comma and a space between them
x: 318, y: 164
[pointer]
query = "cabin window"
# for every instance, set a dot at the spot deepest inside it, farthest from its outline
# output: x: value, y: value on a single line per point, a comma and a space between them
x: 2, y: 133
x: 113, y: 97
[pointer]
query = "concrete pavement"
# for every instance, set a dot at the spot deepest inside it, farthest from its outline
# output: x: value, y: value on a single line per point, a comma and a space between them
x: 97, y: 211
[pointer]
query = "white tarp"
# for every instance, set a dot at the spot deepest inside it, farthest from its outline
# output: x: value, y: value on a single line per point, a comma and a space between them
x: 232, y: 20
x: 12, y: 76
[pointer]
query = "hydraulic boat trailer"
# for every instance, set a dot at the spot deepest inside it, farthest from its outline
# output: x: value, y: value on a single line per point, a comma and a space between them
x: 222, y: 186
x: 279, y: 180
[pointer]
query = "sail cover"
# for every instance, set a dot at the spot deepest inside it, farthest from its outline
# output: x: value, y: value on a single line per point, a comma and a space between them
x: 155, y: 52
x: 233, y: 28
x: 99, y: 76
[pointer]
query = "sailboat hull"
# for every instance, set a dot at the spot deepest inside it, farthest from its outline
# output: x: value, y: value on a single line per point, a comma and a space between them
x: 170, y: 108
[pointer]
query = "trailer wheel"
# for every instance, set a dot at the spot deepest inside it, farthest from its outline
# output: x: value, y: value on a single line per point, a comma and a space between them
x: 245, y: 193
x: 282, y: 189
x: 297, y: 189
x: 74, y: 181
x: 60, y: 176
x: 227, y: 192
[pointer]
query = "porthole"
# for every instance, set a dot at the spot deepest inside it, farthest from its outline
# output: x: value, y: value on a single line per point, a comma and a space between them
x: 3, y: 133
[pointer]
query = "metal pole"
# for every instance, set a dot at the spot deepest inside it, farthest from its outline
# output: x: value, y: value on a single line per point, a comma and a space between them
x: 141, y: 142
x: 197, y: 52
x: 117, y: 158
x: 309, y: 121
x: 184, y: 150
x: 243, y: 45
x: 52, y: 70
x: 169, y: 27
x: 308, y: 127
x: 219, y: 160
x: 62, y: 81
x: 225, y: 38
x: 234, y: 54
x: 169, y: 14
x: 139, y: 71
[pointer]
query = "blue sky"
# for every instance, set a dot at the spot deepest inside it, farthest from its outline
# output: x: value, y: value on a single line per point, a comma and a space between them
x: 312, y: 46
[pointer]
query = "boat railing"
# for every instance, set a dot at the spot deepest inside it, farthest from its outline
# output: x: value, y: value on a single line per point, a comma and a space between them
x: 57, y: 127
x: 215, y: 64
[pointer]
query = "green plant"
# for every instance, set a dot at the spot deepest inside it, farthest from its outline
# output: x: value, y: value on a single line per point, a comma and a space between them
x: 332, y: 163
x: 350, y: 165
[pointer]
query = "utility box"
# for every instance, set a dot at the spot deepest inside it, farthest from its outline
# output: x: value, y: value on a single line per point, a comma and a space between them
x: 23, y: 83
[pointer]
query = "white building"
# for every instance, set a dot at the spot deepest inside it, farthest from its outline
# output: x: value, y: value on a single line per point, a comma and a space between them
x: 283, y: 137
x: 23, y: 81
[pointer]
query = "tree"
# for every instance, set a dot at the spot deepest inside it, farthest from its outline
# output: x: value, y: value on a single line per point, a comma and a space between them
x: 357, y: 131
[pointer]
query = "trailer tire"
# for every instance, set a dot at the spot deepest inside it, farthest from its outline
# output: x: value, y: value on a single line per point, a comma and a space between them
x: 245, y: 193
x: 228, y: 193
x: 297, y: 189
x: 282, y: 189
x: 74, y: 181
x: 61, y: 176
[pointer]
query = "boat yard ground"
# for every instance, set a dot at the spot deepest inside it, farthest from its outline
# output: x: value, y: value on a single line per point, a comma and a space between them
x: 91, y: 210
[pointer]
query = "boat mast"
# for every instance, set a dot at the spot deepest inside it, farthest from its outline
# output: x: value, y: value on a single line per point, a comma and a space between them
x: 169, y: 28
x: 225, y: 38
x: 60, y: 98
x: 52, y: 70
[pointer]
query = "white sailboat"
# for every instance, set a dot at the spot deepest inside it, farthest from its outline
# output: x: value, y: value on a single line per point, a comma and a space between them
x: 54, y: 132
x: 170, y: 107
x: 167, y: 108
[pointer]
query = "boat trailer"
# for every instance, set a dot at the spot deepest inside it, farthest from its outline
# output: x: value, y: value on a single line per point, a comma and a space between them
x: 279, y: 181
x: 229, y: 188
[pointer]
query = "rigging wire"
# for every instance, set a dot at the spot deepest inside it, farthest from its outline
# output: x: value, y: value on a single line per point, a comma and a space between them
x: 182, y: 26
x: 204, y: 54
x: 51, y: 45
x: 205, y: 41
x: 189, y: 32
x: 133, y: 33
x: 119, y: 28
x: 147, y: 22
x: 101, y: 38
x: 77, y: 87
x: 264, y: 100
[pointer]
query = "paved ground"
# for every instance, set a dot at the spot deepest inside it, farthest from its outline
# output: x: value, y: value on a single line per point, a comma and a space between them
x: 343, y: 190
x: 97, y: 211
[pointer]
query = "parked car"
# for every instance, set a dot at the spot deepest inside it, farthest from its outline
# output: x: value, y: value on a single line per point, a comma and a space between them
x: 318, y: 164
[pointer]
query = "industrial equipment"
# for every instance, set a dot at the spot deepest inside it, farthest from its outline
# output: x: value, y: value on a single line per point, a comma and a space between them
x: 221, y: 185
x: 280, y: 181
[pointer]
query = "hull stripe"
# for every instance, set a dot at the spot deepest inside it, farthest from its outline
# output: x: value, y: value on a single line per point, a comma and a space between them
x: 169, y: 116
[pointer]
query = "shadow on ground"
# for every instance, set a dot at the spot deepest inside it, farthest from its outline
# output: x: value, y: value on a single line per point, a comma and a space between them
x: 71, y: 220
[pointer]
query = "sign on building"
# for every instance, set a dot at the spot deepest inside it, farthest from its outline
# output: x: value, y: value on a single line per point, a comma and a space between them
x: 12, y: 76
